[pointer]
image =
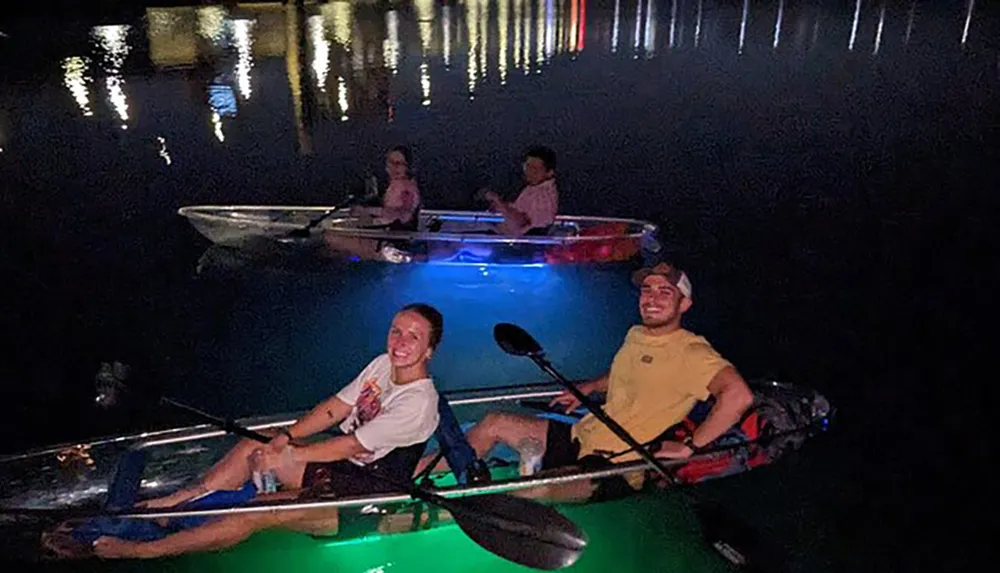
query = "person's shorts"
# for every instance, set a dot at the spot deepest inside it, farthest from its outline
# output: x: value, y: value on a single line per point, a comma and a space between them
x: 341, y: 478
x: 562, y: 450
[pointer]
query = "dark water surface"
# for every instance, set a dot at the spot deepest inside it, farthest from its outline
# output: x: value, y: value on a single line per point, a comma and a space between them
x: 824, y: 170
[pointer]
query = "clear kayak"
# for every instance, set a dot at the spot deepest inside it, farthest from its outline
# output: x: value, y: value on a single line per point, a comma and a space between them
x: 46, y: 486
x: 437, y: 237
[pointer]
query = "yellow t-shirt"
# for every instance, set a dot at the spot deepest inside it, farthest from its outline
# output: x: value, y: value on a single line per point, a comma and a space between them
x: 654, y: 382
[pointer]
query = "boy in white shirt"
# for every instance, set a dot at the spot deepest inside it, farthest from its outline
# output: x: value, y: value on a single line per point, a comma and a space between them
x: 535, y: 208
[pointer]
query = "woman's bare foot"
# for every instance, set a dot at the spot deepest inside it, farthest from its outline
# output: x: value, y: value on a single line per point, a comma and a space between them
x: 114, y: 548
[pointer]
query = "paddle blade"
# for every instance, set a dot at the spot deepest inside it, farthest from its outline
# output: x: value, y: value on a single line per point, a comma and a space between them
x: 109, y: 384
x: 515, y: 340
x: 520, y: 530
x: 115, y: 393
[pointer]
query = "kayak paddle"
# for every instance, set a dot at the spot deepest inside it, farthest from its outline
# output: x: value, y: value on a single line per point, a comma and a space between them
x: 303, y: 233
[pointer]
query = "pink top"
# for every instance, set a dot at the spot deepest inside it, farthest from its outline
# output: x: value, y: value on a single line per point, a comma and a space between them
x: 402, y: 194
x: 540, y: 203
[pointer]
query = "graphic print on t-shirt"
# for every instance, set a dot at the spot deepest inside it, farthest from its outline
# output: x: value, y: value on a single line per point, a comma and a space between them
x: 368, y: 405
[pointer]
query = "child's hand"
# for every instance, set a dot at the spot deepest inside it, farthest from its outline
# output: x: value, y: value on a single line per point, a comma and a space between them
x: 490, y: 197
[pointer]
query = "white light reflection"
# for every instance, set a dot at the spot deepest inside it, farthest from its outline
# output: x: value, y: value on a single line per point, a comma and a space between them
x: 673, y: 23
x: 615, y: 26
x: 446, y: 28
x: 878, y: 32
x: 854, y: 26
x: 697, y: 25
x: 968, y: 21
x: 526, y: 25
x: 75, y: 79
x: 518, y: 25
x: 471, y: 24
x: 503, y: 21
x: 638, y: 29
x: 342, y: 97
x: 321, y: 50
x: 909, y: 22
x: 484, y: 29
x: 425, y: 19
x: 743, y: 24
x: 777, y: 24
x: 425, y: 84
x: 163, y: 150
x: 540, y: 38
x: 217, y: 127
x: 550, y: 29
x: 113, y: 41
x: 650, y: 33
x: 390, y: 48
x: 244, y: 58
x: 116, y: 95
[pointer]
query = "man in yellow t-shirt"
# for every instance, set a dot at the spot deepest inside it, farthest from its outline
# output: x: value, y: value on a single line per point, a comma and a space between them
x: 656, y: 378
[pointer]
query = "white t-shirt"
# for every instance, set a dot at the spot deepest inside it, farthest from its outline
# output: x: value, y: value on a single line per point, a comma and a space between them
x: 385, y: 416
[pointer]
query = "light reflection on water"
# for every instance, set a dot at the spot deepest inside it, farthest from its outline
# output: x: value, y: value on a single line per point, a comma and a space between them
x: 343, y: 43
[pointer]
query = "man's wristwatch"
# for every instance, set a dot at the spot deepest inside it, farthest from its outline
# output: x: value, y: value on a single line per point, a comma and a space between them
x: 689, y: 442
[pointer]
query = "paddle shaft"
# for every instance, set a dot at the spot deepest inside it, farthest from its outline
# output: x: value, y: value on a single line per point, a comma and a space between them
x: 319, y: 219
x: 326, y: 214
x: 227, y: 425
x: 608, y: 421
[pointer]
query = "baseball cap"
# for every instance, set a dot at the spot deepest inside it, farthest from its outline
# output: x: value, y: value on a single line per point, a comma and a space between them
x: 674, y: 276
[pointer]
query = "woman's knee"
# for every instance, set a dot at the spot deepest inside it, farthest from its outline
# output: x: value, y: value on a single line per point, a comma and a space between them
x: 507, y: 426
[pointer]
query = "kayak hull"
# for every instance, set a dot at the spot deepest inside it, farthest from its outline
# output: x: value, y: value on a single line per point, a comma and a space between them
x: 48, y: 485
x: 439, y: 237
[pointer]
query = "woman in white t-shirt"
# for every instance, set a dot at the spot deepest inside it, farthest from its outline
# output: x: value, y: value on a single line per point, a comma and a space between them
x: 390, y: 407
